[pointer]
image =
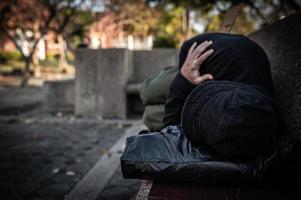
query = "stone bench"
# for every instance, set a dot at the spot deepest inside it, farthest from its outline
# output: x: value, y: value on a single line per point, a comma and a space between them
x: 282, y: 42
x: 59, y: 96
x: 107, y: 80
x: 133, y: 88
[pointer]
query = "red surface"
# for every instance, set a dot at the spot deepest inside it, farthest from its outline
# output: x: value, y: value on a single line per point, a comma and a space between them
x: 177, y: 192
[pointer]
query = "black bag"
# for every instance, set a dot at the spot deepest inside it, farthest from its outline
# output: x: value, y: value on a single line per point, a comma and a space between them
x: 169, y: 157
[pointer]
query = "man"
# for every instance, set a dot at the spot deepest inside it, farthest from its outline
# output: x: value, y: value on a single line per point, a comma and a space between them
x: 221, y: 119
x: 237, y: 116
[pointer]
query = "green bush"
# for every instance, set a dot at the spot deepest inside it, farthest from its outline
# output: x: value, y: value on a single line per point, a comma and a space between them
x: 160, y: 42
x: 52, y: 57
x: 49, y: 62
x: 6, y: 56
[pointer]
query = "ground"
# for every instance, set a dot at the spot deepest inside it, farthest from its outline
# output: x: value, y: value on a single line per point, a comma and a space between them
x: 45, y: 155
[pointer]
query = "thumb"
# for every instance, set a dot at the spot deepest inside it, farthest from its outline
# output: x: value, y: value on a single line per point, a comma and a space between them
x: 203, y: 78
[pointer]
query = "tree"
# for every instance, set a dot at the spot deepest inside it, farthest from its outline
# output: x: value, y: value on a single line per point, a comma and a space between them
x: 170, y: 31
x: 186, y: 6
x: 25, y: 23
x: 210, y: 13
x: 134, y: 17
x: 71, y: 20
x: 75, y: 31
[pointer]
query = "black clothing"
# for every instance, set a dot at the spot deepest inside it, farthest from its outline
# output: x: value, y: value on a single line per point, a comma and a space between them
x: 236, y: 117
x: 235, y: 58
x: 237, y: 120
x: 167, y: 156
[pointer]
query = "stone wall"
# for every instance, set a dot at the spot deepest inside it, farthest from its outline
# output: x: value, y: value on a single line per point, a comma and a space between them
x: 59, y: 96
x: 282, y: 43
x: 148, y: 63
x: 102, y: 76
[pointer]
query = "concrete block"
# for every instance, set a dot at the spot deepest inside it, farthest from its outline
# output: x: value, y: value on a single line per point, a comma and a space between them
x: 59, y: 95
x: 101, y: 79
x: 147, y: 63
x: 282, y: 43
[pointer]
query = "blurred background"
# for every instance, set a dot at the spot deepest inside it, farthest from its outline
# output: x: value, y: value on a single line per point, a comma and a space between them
x: 38, y: 37
x: 79, y: 76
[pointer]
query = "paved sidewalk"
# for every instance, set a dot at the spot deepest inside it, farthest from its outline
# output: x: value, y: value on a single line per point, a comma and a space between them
x: 45, y: 158
x: 105, y: 179
x: 15, y: 100
x: 45, y: 155
x: 119, y: 188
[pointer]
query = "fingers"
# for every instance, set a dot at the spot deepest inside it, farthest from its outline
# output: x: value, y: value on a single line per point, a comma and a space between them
x: 201, y: 48
x: 203, y: 78
x: 197, y: 54
x: 192, y: 48
x: 203, y: 57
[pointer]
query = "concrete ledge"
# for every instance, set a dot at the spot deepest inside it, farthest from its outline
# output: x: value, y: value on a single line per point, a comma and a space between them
x: 101, y: 78
x: 147, y: 63
x: 105, y: 76
x: 59, y: 95
x: 133, y: 88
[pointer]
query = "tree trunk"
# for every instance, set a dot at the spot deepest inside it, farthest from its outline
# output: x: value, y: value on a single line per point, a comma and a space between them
x: 186, y: 21
x: 69, y: 46
x: 63, y: 64
x: 62, y: 61
x: 34, y: 58
x: 26, y: 73
x: 36, y: 66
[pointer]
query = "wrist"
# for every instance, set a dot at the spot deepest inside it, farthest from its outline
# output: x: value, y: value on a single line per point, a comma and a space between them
x: 187, y: 77
x: 181, y: 79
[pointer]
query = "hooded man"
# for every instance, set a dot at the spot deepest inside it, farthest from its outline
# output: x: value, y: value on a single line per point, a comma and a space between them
x: 223, y: 95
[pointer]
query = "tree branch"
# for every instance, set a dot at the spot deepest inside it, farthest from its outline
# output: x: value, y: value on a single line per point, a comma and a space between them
x: 251, y: 4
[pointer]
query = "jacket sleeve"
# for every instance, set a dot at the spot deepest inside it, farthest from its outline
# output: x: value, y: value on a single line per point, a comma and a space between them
x: 179, y: 90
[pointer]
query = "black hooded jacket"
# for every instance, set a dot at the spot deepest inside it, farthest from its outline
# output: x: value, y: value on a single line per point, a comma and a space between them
x: 235, y: 58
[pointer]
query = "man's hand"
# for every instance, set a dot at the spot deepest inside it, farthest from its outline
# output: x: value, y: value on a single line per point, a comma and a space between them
x: 196, y: 56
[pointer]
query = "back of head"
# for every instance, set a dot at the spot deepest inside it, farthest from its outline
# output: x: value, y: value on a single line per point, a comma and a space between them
x: 235, y: 58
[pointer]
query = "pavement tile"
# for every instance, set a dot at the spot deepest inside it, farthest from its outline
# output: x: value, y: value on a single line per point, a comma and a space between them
x: 117, y: 193
x: 36, y: 149
x: 120, y: 188
x: 54, y: 190
x: 25, y: 188
x: 33, y: 144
